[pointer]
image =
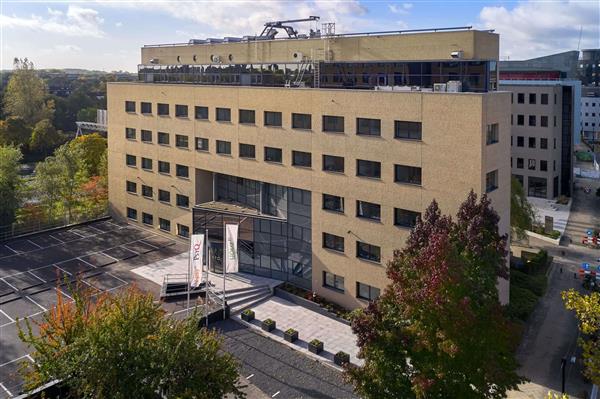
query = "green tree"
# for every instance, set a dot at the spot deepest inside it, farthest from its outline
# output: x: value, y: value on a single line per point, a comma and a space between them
x: 587, y: 311
x: 522, y: 214
x: 438, y: 329
x: 45, y: 138
x: 14, y: 131
x: 10, y: 183
x: 47, y: 182
x: 123, y: 346
x: 25, y: 94
x: 91, y: 147
x: 87, y: 114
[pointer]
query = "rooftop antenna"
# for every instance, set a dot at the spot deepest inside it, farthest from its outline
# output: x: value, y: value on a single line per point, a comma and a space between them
x: 580, y: 33
x: 270, y: 29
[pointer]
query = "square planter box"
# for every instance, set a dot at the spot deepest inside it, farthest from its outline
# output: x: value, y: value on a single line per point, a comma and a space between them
x: 290, y: 337
x: 341, y: 358
x: 316, y: 349
x: 268, y: 326
x: 248, y: 317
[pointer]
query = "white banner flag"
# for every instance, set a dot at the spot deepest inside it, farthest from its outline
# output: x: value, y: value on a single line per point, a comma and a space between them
x: 231, y: 248
x: 196, y: 259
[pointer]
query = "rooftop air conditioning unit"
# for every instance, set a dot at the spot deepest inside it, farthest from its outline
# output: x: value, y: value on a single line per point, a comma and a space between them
x: 457, y: 54
x: 439, y: 87
x: 454, y: 86
x: 298, y: 56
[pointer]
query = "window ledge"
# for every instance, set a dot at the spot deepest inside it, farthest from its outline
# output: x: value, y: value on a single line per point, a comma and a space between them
x: 274, y: 126
x: 225, y: 155
x: 335, y: 251
x: 400, y: 183
x: 226, y: 122
x: 164, y: 116
x: 378, y: 221
x: 203, y: 151
x: 147, y: 170
x: 182, y: 117
x: 131, y: 112
x: 183, y: 177
x: 374, y: 262
x: 333, y: 132
x: 375, y: 136
x: 408, y: 140
x: 187, y: 208
x: 339, y: 291
x: 132, y: 166
x: 131, y: 193
x: 147, y: 113
x: 248, y: 123
x: 403, y: 227
x: 302, y: 167
x: 335, y: 172
x: 248, y: 158
x: 302, y: 129
x: 148, y: 198
x: 274, y: 162
x: 183, y: 148
x: 130, y: 139
x: 164, y: 202
x: 370, y: 178
x: 202, y: 119
x: 333, y: 211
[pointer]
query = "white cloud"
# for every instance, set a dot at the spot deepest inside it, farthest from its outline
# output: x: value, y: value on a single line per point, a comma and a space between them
x: 119, y: 24
x: 62, y: 49
x: 77, y: 21
x: 400, y: 8
x: 534, y: 28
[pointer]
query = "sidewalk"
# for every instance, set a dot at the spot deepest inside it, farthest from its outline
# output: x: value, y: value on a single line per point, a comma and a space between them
x: 335, y: 335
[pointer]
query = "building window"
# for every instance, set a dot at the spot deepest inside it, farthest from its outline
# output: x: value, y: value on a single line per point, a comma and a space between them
x: 146, y: 163
x: 492, y: 134
x: 554, y: 142
x: 407, y: 174
x: 408, y: 130
x: 368, y: 169
x: 554, y: 120
x: 521, y: 120
x: 181, y: 141
x: 183, y: 230
x: 247, y: 116
x: 303, y: 159
x: 543, y: 166
x: 364, y: 291
x: 146, y: 108
x: 301, y: 121
x: 164, y: 167
x: 163, y: 138
x: 531, y: 98
x: 368, y: 127
x: 333, y: 164
x: 164, y: 224
x: 405, y: 218
x: 130, y: 133
x: 532, y: 142
x: 544, y: 99
x: 520, y: 163
x: 520, y: 141
x: 129, y: 106
x: 201, y: 112
x: 182, y: 171
x: 181, y: 111
x: 333, y: 124
x: 224, y: 114
x: 521, y: 98
x: 223, y: 147
x: 131, y: 187
x: 147, y: 218
x: 333, y: 203
x: 201, y: 144
x: 163, y: 109
x: 130, y: 160
x: 182, y: 201
x: 273, y: 154
x: 543, y: 121
x: 531, y: 120
x: 531, y: 164
x: 491, y: 181
x: 164, y: 196
x: 544, y: 143
x: 272, y: 118
x: 333, y: 281
x: 146, y: 136
x: 537, y: 187
x: 512, y: 119
x: 331, y: 241
x: 146, y: 191
x: 368, y: 210
x: 247, y: 151
x: 131, y: 213
x: 368, y: 251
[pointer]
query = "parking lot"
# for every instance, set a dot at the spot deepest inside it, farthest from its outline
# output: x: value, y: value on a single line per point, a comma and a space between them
x: 35, y: 271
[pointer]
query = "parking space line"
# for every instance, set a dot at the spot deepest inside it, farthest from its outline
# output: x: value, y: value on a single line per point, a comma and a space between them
x: 15, y: 360
x: 15, y: 251
x: 147, y: 243
x: 80, y: 235
x: 10, y: 318
x: 275, y: 394
x: 92, y: 227
x: 31, y: 299
x: 11, y: 286
x: 84, y: 261
x: 103, y: 253
x: 57, y: 239
x: 250, y: 376
x: 118, y: 278
x: 39, y: 246
x: 39, y: 278
x: 6, y: 390
x: 28, y: 356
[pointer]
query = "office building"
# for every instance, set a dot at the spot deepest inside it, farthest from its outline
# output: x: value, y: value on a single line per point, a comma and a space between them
x: 323, y: 148
x: 590, y: 113
x: 589, y: 67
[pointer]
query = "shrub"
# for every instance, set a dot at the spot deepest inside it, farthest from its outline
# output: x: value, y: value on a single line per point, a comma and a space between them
x: 290, y: 331
x: 248, y: 312
x: 535, y: 283
x: 269, y: 321
x: 315, y: 342
x: 522, y: 303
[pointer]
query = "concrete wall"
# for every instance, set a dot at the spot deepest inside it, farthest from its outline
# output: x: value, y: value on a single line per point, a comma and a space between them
x: 453, y: 156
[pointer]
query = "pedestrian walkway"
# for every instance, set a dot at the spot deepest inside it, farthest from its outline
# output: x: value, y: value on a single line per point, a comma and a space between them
x: 335, y: 335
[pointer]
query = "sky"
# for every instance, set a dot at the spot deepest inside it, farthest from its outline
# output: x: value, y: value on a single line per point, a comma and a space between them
x: 107, y: 34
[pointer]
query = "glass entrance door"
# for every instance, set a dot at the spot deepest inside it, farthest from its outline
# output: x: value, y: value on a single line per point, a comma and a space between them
x: 216, y: 256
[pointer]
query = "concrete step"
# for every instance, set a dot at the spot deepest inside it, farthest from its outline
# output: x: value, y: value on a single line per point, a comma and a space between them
x: 245, y: 293
x: 249, y: 301
x: 218, y: 291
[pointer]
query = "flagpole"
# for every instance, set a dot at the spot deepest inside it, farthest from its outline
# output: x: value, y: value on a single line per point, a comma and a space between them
x: 224, y: 264
x: 206, y: 285
x: 187, y: 311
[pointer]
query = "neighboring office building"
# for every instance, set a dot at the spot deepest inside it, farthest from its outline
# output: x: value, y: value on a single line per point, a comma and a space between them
x: 589, y: 67
x: 544, y: 124
x: 325, y: 180
x: 550, y: 67
x: 590, y: 113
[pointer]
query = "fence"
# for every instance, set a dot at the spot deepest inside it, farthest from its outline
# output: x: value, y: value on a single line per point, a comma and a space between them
x: 26, y: 227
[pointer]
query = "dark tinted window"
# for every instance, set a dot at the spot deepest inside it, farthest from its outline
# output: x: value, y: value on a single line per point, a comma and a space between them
x: 181, y: 111
x: 333, y: 281
x: 521, y: 98
x: 532, y: 120
x: 272, y: 118
x: 146, y: 191
x: 146, y: 136
x: 368, y: 251
x: 223, y: 147
x: 164, y: 196
x: 364, y: 291
x: 300, y: 158
x: 544, y: 99
x: 532, y: 142
x: 331, y: 241
x: 333, y: 203
x: 247, y: 151
x: 146, y: 163
x: 273, y: 154
x: 544, y: 144
x: 520, y: 120
x: 164, y: 167
x: 368, y: 127
x: 333, y: 164
x: 301, y: 121
x: 405, y: 218
x: 130, y: 160
x: 543, y: 121
x: 247, y: 116
x: 491, y: 181
x: 531, y: 98
x: 201, y: 112
x: 201, y: 144
x: 130, y: 133
x: 182, y: 171
x: 183, y: 230
x: 164, y: 224
x: 132, y: 213
x: 182, y: 200
x: 368, y: 210
x: 163, y: 138
x: 129, y: 106
x: 333, y: 124
x: 407, y: 174
x: 131, y: 187
x: 407, y: 130
x: 224, y: 114
x: 163, y: 109
x: 368, y: 168
x: 147, y: 218
x: 520, y: 141
x: 181, y: 141
x: 146, y: 108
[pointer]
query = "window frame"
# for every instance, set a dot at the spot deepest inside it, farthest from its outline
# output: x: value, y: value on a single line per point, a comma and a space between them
x: 267, y: 115
x: 202, y: 140
x: 269, y: 149
x: 246, y: 146
x: 335, y: 198
x: 375, y: 164
x: 128, y: 107
x: 373, y: 259
x: 151, y: 218
x: 335, y: 159
x: 160, y: 138
x: 179, y: 197
x: 334, y: 244
x: 301, y: 154
x: 199, y: 111
x: 223, y: 114
x: 372, y: 126
x: 161, y: 164
x: 325, y: 125
x: 363, y: 207
x: 336, y: 280
x: 297, y: 117
x: 182, y: 141
x: 147, y: 160
x: 412, y: 173
x: 181, y: 111
x: 144, y: 105
x: 179, y: 167
x: 161, y: 194
x: 130, y: 212
x: 404, y: 130
x: 160, y: 109
x: 223, y: 147
x: 247, y: 113
x: 408, y: 214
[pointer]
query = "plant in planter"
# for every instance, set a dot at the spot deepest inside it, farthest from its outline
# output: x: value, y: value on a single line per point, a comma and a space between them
x: 268, y: 325
x: 341, y: 358
x: 248, y: 315
x: 290, y: 335
x: 315, y: 346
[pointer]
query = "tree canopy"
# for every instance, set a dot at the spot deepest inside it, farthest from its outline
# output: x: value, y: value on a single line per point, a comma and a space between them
x: 122, y: 346
x: 522, y: 214
x: 10, y: 183
x: 45, y: 137
x: 91, y: 147
x: 14, y: 131
x: 438, y: 329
